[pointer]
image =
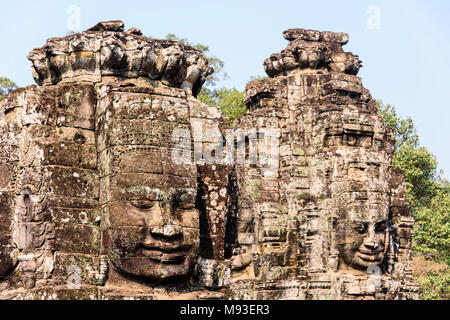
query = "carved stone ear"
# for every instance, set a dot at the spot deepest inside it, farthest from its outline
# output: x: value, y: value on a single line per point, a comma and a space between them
x: 24, y: 205
x: 334, y: 221
x: 333, y: 260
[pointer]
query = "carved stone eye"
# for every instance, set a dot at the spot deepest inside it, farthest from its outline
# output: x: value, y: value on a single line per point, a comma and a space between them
x: 183, y: 201
x: 380, y: 227
x: 142, y: 204
x: 361, y: 228
x: 186, y: 206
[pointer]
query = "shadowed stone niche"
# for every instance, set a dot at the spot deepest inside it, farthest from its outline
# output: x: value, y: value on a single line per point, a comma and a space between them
x: 117, y: 183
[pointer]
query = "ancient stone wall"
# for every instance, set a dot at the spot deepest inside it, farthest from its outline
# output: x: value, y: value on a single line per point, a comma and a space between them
x: 116, y: 182
x: 332, y: 222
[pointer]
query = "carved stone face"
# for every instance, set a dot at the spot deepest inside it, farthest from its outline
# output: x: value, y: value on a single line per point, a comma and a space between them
x: 361, y: 199
x: 362, y: 243
x: 361, y: 227
x: 154, y: 233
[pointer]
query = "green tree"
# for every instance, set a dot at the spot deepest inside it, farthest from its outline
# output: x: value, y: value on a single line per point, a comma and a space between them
x: 435, y: 285
x: 432, y: 228
x: 418, y: 164
x: 230, y: 101
x: 217, y: 64
x: 420, y: 168
x: 6, y: 86
x: 404, y: 129
x: 429, y: 201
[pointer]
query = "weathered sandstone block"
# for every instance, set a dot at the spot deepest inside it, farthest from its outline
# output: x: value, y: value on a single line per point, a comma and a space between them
x: 117, y: 183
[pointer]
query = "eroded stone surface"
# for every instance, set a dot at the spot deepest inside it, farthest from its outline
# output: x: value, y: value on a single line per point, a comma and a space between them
x: 106, y: 53
x: 117, y: 183
x: 333, y: 220
x: 310, y: 49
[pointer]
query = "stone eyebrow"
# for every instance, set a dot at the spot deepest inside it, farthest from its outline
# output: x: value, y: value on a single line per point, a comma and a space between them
x: 179, y: 194
x: 185, y: 192
x: 141, y: 190
x: 158, y: 194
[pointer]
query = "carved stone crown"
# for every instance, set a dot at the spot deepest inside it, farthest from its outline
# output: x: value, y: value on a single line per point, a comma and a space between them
x: 106, y: 52
x: 310, y: 49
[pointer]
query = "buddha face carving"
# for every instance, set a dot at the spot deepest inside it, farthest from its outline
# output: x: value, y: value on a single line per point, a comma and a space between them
x: 361, y: 197
x: 361, y: 229
x: 154, y: 234
x: 361, y: 243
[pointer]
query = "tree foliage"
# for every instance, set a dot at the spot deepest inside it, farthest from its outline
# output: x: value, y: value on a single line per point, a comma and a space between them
x: 230, y: 101
x: 420, y: 168
x: 429, y: 201
x: 418, y: 164
x: 432, y: 228
x: 6, y: 86
x: 435, y: 285
x: 405, y: 132
x: 217, y: 64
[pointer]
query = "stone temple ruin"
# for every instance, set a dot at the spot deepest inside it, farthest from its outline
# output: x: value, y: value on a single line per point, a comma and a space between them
x: 117, y: 183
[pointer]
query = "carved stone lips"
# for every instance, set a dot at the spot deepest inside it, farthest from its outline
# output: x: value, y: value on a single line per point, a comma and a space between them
x: 369, y: 256
x: 166, y: 253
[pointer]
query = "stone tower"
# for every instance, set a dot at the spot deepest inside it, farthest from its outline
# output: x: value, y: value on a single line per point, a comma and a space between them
x: 330, y: 220
x: 99, y: 188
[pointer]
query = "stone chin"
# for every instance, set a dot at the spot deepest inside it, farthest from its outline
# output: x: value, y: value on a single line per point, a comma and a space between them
x: 360, y: 259
x: 153, y: 261
x: 156, y: 272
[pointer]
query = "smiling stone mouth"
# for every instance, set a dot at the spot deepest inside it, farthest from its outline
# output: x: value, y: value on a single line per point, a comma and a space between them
x: 166, y: 254
x: 369, y: 257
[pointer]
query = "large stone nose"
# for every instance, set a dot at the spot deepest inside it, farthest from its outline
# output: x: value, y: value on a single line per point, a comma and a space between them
x: 371, y: 242
x: 167, y: 231
x: 161, y: 216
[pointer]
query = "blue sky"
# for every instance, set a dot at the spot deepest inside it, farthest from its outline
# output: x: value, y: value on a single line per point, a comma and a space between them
x: 406, y: 60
